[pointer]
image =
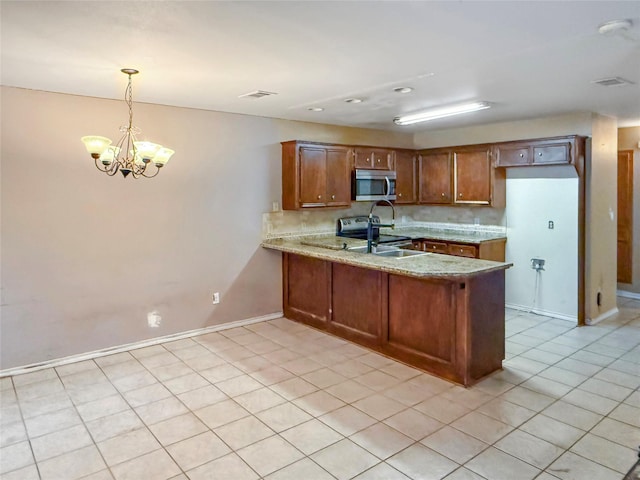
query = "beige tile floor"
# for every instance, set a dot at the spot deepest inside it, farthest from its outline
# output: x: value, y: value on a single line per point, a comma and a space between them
x: 279, y: 401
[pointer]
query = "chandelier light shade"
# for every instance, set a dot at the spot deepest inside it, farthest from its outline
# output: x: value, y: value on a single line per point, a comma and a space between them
x: 129, y: 155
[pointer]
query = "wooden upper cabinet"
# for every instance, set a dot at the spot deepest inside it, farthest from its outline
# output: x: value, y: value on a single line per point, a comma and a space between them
x: 338, y: 177
x: 406, y: 177
x: 315, y: 175
x: 512, y: 155
x: 543, y: 151
x: 374, y: 157
x: 472, y: 176
x: 434, y: 177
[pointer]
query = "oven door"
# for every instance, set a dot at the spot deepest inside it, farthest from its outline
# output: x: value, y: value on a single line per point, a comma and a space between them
x: 371, y: 185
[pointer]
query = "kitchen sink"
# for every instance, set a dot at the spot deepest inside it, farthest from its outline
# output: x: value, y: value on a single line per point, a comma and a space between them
x: 392, y: 252
x: 400, y: 253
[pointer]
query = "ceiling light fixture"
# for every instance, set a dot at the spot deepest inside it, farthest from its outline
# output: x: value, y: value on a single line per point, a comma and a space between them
x: 403, y: 89
x: 353, y: 100
x: 440, y: 112
x: 614, y: 26
x: 315, y: 109
x: 129, y: 155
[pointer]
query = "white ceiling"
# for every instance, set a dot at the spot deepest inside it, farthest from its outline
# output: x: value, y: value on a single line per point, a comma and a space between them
x: 529, y: 59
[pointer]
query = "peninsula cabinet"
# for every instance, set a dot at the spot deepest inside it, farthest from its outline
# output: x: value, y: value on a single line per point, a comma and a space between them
x: 543, y: 151
x: 374, y: 157
x: 308, y: 305
x: 451, y: 327
x: 406, y: 177
x: 315, y: 175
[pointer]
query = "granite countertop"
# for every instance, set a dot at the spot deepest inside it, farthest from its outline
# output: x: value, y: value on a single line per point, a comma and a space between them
x: 430, y: 265
x: 445, y: 235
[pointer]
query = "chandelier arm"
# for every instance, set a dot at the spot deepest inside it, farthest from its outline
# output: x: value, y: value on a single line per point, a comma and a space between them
x: 110, y: 170
x: 150, y: 176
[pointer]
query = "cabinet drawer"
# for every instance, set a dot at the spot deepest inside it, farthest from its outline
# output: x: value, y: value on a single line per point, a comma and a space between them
x: 462, y: 250
x: 551, y: 154
x: 435, y: 247
x: 512, y: 157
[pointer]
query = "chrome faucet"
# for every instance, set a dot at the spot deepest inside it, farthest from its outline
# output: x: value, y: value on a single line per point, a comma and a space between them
x: 370, y: 223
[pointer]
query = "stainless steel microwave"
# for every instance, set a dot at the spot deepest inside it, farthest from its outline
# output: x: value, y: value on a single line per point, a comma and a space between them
x: 374, y: 185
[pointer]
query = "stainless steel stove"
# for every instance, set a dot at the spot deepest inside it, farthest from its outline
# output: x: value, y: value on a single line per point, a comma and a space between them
x: 356, y: 227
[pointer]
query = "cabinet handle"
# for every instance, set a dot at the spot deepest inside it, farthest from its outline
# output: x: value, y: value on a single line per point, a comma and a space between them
x: 399, y: 194
x: 378, y: 160
x: 443, y: 194
x: 333, y: 197
x: 521, y: 155
x: 539, y: 154
x: 460, y: 195
x: 461, y: 250
x: 319, y: 197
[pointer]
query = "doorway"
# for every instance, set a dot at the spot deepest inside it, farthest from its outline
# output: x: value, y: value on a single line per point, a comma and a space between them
x: 625, y: 216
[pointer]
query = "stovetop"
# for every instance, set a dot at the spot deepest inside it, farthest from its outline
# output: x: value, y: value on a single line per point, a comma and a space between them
x: 356, y: 227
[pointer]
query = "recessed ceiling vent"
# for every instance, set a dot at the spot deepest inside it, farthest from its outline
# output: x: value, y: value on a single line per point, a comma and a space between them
x: 612, y: 82
x: 257, y: 94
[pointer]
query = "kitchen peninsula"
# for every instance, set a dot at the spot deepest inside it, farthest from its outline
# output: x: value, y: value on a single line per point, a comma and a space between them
x: 441, y: 313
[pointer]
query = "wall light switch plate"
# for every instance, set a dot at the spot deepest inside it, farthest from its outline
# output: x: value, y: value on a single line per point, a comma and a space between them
x: 551, y: 225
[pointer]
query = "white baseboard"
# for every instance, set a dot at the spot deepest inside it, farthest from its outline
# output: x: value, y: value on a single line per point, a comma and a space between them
x: 546, y: 313
x: 625, y: 294
x: 130, y: 346
x: 599, y: 318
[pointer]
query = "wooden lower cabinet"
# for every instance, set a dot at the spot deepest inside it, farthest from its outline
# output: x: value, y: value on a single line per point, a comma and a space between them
x: 451, y: 328
x: 356, y: 313
x: 306, y: 289
x: 489, y: 250
x: 427, y: 341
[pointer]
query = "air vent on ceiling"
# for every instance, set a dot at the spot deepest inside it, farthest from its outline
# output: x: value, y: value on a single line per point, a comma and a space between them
x: 257, y: 94
x: 612, y: 82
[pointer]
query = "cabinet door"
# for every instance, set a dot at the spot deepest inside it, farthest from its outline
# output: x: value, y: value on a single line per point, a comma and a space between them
x: 512, y: 155
x: 338, y: 177
x: 551, y: 154
x: 357, y: 313
x: 300, y: 302
x: 405, y: 177
x: 472, y: 184
x: 376, y: 158
x: 435, y: 178
x: 313, y: 176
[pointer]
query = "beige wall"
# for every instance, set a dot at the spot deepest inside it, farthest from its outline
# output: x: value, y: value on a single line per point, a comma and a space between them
x: 628, y: 139
x: 570, y: 124
x: 85, y: 257
x: 601, y: 215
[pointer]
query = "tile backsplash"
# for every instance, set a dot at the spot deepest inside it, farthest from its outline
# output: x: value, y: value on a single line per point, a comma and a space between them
x: 307, y: 222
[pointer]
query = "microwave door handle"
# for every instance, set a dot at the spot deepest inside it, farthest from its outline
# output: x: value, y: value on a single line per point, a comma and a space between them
x: 388, y: 182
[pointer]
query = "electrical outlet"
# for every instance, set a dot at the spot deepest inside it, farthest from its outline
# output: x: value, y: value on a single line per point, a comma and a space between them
x: 551, y: 225
x: 537, y: 264
x: 216, y: 298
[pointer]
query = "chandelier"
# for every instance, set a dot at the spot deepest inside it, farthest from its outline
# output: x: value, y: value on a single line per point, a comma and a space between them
x: 129, y: 155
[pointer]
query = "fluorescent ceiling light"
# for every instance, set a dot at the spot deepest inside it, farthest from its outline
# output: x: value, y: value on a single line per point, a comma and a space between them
x: 440, y: 112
